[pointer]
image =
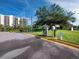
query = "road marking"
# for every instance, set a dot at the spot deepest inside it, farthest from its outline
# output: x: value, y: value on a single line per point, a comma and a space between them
x: 14, y: 53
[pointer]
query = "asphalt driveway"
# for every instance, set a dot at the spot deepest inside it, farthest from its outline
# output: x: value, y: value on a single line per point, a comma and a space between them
x: 26, y: 46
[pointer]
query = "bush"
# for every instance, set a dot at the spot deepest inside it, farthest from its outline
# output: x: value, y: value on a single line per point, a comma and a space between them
x: 1, y: 28
x: 15, y: 29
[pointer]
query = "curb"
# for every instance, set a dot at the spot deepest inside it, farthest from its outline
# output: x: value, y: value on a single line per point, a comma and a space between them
x: 62, y: 43
x: 65, y: 45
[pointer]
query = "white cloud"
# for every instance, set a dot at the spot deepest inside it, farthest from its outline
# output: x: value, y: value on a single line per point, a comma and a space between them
x: 1, y: 14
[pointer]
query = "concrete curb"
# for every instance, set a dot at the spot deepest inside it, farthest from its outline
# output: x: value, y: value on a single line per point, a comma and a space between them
x: 68, y: 46
x: 73, y: 47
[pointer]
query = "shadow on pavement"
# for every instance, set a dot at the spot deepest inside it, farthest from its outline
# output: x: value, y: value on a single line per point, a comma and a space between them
x: 15, y: 44
x: 39, y: 49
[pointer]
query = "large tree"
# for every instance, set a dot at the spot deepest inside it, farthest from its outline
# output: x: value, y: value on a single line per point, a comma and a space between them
x: 54, y: 15
x: 41, y: 14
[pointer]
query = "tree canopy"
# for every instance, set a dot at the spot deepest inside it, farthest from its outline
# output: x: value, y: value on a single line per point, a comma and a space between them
x: 54, y: 15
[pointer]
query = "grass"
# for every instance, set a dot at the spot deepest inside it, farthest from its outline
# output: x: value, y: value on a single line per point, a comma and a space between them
x: 37, y: 33
x: 69, y: 36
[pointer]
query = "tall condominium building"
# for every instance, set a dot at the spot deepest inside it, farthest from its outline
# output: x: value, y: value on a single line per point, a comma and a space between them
x: 11, y: 20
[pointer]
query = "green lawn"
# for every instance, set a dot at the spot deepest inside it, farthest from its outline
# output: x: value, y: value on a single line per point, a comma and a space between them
x: 70, y: 36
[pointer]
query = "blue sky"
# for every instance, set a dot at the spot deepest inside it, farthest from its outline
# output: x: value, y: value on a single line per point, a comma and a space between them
x: 27, y: 8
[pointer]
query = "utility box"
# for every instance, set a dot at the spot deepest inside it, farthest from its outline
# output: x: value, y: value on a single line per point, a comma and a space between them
x: 45, y: 30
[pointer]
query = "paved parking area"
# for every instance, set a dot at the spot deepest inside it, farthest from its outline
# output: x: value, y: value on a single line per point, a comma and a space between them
x: 25, y: 46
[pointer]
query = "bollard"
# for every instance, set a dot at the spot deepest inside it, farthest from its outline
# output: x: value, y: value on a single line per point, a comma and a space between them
x: 60, y: 35
x: 72, y: 29
x: 55, y: 37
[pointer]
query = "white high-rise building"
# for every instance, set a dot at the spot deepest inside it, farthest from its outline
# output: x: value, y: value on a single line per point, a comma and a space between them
x: 2, y: 19
x: 19, y: 20
x: 11, y: 20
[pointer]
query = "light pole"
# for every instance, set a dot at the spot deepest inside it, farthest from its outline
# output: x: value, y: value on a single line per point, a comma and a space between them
x: 31, y: 24
x: 55, y: 34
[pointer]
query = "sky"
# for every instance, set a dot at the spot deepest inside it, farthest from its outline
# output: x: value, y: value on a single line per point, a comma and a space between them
x: 27, y: 8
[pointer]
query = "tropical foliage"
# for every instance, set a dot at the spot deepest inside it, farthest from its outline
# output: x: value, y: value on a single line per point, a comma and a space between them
x: 54, y: 15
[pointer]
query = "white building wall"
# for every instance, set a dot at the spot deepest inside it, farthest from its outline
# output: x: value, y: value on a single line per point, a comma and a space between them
x: 2, y: 19
x: 19, y: 20
x: 11, y: 18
